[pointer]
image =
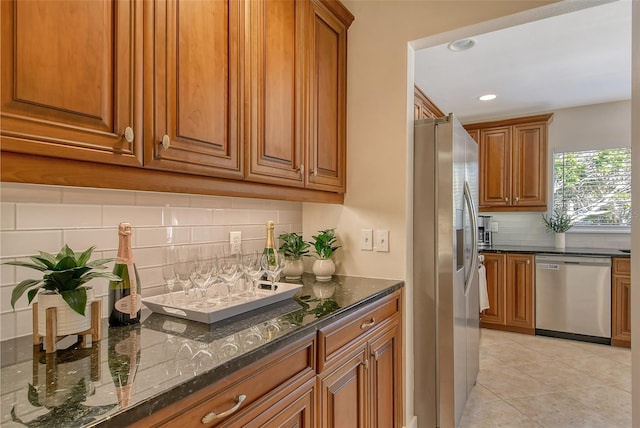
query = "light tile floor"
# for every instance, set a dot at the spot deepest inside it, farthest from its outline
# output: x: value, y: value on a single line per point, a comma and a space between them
x: 535, y: 381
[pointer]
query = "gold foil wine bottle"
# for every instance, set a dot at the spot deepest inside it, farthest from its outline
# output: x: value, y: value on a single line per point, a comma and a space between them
x: 270, y: 249
x: 124, y: 360
x: 124, y: 295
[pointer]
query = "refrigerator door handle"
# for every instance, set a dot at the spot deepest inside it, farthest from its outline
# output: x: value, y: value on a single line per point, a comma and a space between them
x: 468, y: 277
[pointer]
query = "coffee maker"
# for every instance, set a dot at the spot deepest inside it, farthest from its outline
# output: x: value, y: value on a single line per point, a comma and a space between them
x: 484, y: 231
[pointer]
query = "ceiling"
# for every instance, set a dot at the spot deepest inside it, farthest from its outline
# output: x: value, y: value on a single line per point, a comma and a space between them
x: 569, y: 60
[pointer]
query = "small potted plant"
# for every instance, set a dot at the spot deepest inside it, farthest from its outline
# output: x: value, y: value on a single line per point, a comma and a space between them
x: 294, y: 249
x: 325, y: 245
x: 558, y: 222
x: 62, y: 286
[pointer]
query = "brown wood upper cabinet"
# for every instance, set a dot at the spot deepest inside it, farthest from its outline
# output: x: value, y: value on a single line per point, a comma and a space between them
x: 296, y: 90
x: 248, y: 94
x: 71, y: 80
x: 512, y: 163
x: 193, y: 103
x: 423, y: 107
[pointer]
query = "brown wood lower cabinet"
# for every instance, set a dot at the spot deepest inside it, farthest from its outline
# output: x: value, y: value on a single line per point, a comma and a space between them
x: 510, y: 285
x: 360, y: 382
x: 354, y: 379
x: 621, y: 302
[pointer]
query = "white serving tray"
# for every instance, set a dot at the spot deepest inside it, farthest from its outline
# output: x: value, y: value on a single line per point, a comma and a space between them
x: 222, y: 310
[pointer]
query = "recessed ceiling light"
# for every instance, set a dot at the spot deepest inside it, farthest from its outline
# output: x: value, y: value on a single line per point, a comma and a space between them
x: 487, y: 97
x: 461, y: 45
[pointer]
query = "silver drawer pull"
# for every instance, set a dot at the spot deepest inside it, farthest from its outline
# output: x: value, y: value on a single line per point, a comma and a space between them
x: 368, y: 323
x: 210, y: 417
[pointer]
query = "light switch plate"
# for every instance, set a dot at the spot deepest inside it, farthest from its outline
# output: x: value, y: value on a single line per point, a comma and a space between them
x: 235, y: 241
x: 382, y: 240
x: 366, y: 240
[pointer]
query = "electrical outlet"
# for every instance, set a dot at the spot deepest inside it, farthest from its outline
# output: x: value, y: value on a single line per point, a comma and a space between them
x: 366, y: 240
x: 493, y: 226
x: 382, y: 240
x: 235, y: 241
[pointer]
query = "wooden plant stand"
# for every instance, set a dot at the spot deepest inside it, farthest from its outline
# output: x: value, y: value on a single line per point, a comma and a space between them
x: 51, y: 338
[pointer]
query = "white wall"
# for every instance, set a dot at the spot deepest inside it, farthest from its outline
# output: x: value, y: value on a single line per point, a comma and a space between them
x: 590, y: 127
x: 35, y: 217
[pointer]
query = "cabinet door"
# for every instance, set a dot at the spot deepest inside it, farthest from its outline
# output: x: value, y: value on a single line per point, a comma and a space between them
x: 386, y: 380
x: 327, y: 100
x: 343, y: 401
x: 621, y: 313
x: 529, y: 165
x: 475, y: 134
x: 520, y: 291
x: 495, y: 268
x: 193, y: 83
x: 70, y: 79
x: 495, y: 167
x: 275, y: 91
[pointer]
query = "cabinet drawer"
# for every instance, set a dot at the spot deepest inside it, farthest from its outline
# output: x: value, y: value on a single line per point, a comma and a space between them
x: 254, y: 382
x: 333, y: 338
x: 622, y: 266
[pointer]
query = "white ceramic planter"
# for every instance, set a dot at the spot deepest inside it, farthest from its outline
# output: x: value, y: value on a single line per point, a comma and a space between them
x: 293, y: 269
x: 559, y: 240
x: 323, y: 269
x: 69, y: 321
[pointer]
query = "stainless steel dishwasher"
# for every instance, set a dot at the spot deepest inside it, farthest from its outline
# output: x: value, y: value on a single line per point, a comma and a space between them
x: 573, y: 297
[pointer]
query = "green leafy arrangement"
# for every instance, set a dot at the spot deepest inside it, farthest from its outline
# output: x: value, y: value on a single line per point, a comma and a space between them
x: 325, y: 243
x: 559, y: 221
x: 64, y: 273
x: 293, y: 246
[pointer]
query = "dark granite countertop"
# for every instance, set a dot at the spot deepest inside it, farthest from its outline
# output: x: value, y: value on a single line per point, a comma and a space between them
x: 574, y: 251
x: 75, y: 387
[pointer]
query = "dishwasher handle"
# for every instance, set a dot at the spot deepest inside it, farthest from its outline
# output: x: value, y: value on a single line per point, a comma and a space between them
x: 572, y: 260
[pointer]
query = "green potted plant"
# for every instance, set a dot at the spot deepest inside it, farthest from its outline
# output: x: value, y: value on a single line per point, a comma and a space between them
x: 324, y: 244
x: 294, y: 248
x: 62, y: 286
x: 558, y: 222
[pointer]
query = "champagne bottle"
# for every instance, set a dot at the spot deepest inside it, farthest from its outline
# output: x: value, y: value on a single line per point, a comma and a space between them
x: 270, y: 248
x: 124, y: 295
x: 124, y: 360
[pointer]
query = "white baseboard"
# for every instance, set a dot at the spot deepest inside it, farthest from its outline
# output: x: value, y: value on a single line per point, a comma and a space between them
x: 413, y: 423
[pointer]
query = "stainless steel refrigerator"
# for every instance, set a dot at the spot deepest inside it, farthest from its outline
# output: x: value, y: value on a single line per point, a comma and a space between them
x: 445, y: 270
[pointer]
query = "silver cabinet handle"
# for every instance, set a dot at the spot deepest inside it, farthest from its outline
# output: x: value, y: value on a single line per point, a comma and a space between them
x: 128, y: 134
x: 506, y: 200
x: 376, y: 355
x: 365, y: 363
x: 517, y: 199
x: 368, y: 323
x: 166, y: 141
x: 212, y: 416
x: 528, y: 262
x: 301, y: 169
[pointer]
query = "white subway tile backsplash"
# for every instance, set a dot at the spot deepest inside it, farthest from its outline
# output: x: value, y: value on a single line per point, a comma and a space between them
x: 91, y: 196
x: 152, y: 236
x: 7, y: 216
x: 19, y: 192
x: 81, y: 239
x: 113, y: 215
x: 24, y: 322
x: 162, y: 199
x: 55, y: 216
x: 8, y: 326
x: 263, y: 216
x: 45, y: 217
x: 25, y: 243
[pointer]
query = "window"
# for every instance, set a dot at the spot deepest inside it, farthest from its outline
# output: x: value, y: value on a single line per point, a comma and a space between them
x: 594, y: 186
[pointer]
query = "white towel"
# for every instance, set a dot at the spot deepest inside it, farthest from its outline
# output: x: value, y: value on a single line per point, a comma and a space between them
x: 482, y: 284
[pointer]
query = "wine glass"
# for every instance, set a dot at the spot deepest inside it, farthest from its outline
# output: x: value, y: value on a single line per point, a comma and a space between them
x: 168, y: 269
x: 229, y: 271
x: 272, y: 263
x: 203, y: 270
x: 184, y: 268
x: 253, y: 270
